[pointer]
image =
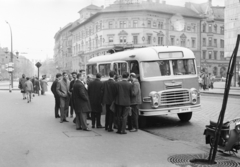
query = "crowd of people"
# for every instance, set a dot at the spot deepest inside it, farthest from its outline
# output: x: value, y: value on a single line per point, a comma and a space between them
x: 118, y: 98
x: 206, y: 81
x: 31, y: 86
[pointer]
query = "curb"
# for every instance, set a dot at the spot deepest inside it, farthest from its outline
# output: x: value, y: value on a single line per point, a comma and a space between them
x: 216, y: 93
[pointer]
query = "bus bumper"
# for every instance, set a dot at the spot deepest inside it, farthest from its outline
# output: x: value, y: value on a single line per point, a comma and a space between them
x: 168, y: 111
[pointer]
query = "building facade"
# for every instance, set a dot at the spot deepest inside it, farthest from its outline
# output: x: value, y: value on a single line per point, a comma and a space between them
x: 138, y: 25
x: 147, y: 23
x: 212, y: 38
x: 232, y: 30
x: 63, y: 49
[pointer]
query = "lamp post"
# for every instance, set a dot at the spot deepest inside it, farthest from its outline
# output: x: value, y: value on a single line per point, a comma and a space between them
x: 11, y: 58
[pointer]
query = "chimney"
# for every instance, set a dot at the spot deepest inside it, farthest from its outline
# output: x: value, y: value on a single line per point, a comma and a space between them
x: 164, y: 2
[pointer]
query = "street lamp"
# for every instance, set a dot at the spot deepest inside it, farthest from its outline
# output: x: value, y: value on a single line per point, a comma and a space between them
x: 11, y: 59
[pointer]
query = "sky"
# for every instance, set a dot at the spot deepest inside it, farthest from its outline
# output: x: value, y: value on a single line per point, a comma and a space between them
x: 35, y: 22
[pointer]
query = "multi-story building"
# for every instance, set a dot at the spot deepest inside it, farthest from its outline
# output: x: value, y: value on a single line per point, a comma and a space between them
x: 232, y: 30
x: 63, y: 49
x: 212, y: 37
x: 5, y: 58
x: 136, y: 24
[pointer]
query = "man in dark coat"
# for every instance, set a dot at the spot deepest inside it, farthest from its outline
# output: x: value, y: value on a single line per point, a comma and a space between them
x: 109, y: 92
x: 74, y: 76
x: 123, y: 102
x: 81, y: 103
x: 95, y: 97
x: 56, y: 96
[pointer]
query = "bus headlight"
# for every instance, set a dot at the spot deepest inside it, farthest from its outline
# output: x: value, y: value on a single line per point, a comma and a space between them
x: 155, y: 99
x: 237, y: 127
x: 194, y: 95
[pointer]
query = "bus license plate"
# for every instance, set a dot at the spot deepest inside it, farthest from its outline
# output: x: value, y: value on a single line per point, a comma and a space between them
x: 184, y: 110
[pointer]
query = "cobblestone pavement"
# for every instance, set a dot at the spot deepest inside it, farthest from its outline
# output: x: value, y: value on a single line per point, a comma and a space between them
x: 171, y: 128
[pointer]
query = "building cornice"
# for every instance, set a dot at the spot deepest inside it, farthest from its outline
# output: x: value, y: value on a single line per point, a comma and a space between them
x: 130, y: 11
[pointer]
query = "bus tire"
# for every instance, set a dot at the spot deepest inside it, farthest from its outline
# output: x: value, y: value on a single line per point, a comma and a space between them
x: 142, y: 121
x: 185, y: 117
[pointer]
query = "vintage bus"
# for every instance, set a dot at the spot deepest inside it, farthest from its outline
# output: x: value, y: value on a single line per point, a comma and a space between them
x: 167, y: 75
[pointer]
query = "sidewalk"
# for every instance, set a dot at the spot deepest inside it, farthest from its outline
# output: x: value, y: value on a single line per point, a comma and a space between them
x: 219, y: 88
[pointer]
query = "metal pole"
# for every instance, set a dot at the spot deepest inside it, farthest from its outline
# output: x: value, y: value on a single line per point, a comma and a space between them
x: 11, y: 59
x: 38, y: 73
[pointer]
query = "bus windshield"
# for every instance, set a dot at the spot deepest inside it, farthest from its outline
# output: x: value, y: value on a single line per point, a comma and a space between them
x: 183, y: 67
x: 156, y: 68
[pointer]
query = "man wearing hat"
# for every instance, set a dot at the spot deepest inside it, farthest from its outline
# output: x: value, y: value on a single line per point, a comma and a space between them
x: 135, y: 102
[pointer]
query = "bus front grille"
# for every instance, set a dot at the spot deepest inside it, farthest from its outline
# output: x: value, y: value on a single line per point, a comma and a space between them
x: 175, y: 97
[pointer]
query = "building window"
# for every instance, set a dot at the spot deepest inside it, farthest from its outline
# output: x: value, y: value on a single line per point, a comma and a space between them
x: 110, y: 24
x: 222, y: 30
x: 193, y: 27
x: 204, y: 54
x: 215, y: 55
x: 123, y: 39
x: 215, y: 42
x: 149, y: 24
x: 209, y: 27
x: 160, y: 25
x: 193, y: 43
x: 100, y: 41
x: 110, y: 39
x: 204, y: 27
x: 97, y: 28
x: 210, y: 41
x: 210, y: 54
x: 222, y: 55
x: 172, y: 41
x: 135, y: 23
x: 160, y: 41
x: 222, y: 43
x: 204, y: 41
x: 149, y: 39
x: 135, y: 39
x: 154, y: 24
x: 183, y: 42
x: 215, y: 28
x: 123, y: 24
x: 100, y: 25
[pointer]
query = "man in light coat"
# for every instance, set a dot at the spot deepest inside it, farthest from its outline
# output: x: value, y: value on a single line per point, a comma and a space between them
x: 62, y: 90
x: 135, y: 101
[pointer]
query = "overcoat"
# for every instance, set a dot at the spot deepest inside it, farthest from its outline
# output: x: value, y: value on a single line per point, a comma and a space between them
x: 95, y: 95
x: 109, y: 91
x: 124, y: 93
x: 80, y: 98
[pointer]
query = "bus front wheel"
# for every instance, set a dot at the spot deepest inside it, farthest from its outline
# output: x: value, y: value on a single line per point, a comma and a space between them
x: 185, y: 117
x: 142, y: 121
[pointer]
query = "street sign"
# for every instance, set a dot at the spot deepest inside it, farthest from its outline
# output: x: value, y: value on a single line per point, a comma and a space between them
x: 38, y: 64
x: 10, y: 69
x: 10, y: 64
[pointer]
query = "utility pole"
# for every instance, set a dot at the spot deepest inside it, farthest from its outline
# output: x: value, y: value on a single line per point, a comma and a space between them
x: 11, y: 58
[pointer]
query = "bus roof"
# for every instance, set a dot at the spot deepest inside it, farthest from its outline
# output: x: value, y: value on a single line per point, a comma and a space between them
x: 142, y: 54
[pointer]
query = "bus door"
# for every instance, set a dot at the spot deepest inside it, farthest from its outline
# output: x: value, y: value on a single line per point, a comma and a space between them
x: 134, y: 68
x: 120, y: 67
x: 104, y: 69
